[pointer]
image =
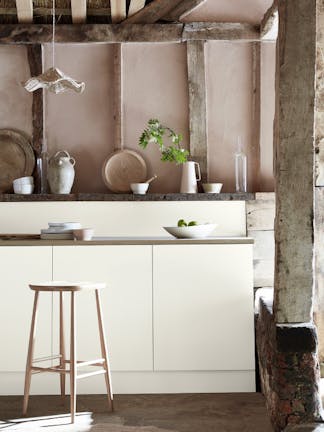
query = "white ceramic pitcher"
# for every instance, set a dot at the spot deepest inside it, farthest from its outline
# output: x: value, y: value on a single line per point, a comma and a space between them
x: 189, y: 177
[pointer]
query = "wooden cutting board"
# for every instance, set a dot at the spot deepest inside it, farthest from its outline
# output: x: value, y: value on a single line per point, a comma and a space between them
x: 19, y: 236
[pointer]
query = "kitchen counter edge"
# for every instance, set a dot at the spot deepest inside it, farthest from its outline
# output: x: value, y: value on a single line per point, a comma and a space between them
x: 101, y: 241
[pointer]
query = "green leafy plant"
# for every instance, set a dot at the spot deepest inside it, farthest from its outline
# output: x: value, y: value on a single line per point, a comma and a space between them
x: 155, y: 132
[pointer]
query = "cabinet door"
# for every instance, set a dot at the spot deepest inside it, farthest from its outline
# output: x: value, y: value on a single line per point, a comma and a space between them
x: 203, y: 307
x: 127, y: 301
x: 20, y: 266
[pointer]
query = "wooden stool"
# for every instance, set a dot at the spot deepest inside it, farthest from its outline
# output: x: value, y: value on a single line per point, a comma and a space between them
x: 103, y: 362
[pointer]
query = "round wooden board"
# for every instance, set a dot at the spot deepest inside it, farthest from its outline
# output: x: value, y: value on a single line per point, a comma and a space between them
x: 16, y: 158
x: 123, y: 168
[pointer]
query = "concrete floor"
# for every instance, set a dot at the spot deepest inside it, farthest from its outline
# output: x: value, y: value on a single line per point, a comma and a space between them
x: 140, y: 413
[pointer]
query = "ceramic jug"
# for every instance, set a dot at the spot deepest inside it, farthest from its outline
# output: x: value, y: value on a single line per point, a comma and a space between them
x: 189, y: 177
x: 61, y: 172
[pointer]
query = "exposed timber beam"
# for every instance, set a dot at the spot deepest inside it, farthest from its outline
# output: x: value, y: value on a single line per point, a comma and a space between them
x: 270, y: 23
x: 294, y: 161
x: 24, y: 11
x: 152, y: 12
x: 79, y: 11
x: 118, y: 10
x: 35, y: 60
x: 107, y: 33
x: 135, y: 6
x: 197, y: 104
x: 118, y: 96
x: 184, y: 8
x: 221, y: 31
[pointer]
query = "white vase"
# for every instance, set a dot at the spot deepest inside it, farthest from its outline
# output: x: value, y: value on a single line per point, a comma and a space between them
x: 61, y: 173
x: 189, y: 177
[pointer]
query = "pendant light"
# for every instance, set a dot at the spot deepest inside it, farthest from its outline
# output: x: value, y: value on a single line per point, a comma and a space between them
x: 53, y: 79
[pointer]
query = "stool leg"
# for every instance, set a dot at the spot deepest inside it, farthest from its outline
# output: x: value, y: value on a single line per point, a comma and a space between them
x: 104, y: 351
x: 30, y: 353
x: 62, y: 348
x: 72, y: 361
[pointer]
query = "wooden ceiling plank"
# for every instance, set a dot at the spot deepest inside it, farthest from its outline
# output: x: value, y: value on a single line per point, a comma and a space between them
x: 118, y: 10
x: 152, y: 12
x: 45, y: 11
x: 24, y: 11
x: 79, y: 11
x: 184, y: 8
x: 135, y: 6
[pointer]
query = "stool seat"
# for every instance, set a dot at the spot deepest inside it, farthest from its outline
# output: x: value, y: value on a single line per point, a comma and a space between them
x: 62, y: 286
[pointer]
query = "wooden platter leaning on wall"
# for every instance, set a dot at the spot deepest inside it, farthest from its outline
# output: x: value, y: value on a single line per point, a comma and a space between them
x: 17, y: 157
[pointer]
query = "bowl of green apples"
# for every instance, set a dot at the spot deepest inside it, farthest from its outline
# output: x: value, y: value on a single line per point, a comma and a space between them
x: 191, y: 229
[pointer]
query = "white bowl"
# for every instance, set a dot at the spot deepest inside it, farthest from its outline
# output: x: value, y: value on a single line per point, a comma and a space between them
x: 24, y: 180
x: 139, y: 188
x: 83, y: 233
x: 195, y: 231
x: 212, y: 187
x: 23, y: 189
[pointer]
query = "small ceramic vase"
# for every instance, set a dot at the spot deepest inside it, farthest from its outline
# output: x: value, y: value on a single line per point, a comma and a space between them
x: 61, y: 172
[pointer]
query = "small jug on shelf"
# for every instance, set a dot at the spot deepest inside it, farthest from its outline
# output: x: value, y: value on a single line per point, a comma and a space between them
x: 189, y: 177
x: 61, y: 172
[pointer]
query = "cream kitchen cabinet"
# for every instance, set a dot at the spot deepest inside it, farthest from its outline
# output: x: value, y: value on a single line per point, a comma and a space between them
x: 20, y: 265
x: 203, y: 308
x: 127, y: 301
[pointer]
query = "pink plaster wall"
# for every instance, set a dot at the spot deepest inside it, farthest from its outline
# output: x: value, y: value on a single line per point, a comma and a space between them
x: 15, y: 102
x: 82, y: 124
x: 155, y: 85
x: 229, y: 82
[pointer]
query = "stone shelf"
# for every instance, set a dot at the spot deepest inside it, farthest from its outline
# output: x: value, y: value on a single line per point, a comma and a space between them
x: 128, y: 197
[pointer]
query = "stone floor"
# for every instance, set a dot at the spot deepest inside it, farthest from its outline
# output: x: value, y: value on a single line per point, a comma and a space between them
x: 140, y: 413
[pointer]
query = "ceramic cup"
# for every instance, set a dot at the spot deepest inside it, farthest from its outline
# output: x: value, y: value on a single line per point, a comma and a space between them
x: 139, y: 188
x: 24, y: 180
x: 212, y: 187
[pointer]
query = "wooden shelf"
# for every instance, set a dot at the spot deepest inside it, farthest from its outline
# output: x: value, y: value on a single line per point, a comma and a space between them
x: 128, y: 197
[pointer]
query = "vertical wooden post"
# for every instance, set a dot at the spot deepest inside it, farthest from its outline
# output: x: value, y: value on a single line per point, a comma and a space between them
x: 197, y: 104
x: 118, y: 96
x: 35, y: 60
x: 319, y: 182
x: 294, y: 148
x: 256, y: 113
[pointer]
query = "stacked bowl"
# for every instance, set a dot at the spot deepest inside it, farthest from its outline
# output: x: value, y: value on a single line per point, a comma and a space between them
x: 23, y: 185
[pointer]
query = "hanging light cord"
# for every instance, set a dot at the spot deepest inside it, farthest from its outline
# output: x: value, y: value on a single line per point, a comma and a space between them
x: 53, y: 34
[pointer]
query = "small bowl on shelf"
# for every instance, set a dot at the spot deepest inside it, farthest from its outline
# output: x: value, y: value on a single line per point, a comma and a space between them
x: 212, y: 187
x: 23, y: 189
x: 83, y: 234
x: 139, y: 188
x: 194, y: 231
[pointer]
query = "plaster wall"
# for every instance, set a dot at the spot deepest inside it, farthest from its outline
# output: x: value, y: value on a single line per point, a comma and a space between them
x: 155, y: 85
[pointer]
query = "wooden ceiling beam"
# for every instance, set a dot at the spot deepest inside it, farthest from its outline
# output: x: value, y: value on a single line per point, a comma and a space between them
x: 79, y: 11
x: 24, y: 11
x: 118, y: 10
x: 152, y: 12
x: 135, y: 6
x: 184, y: 8
x: 107, y: 33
